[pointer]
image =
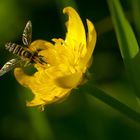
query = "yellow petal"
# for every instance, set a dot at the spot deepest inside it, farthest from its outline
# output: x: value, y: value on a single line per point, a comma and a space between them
x: 69, y: 81
x: 46, y: 97
x: 75, y: 36
x: 91, y: 41
x: 35, y: 102
x: 39, y: 45
x: 43, y: 86
x: 21, y: 77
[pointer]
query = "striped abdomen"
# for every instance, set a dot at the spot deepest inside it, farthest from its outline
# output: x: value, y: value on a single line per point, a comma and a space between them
x: 18, y: 50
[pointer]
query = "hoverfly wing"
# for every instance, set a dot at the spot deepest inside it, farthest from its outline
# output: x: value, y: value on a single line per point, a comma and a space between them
x: 27, y: 34
x: 13, y: 47
x: 8, y: 66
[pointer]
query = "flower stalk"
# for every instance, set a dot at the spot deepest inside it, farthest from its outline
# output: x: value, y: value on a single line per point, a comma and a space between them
x: 109, y: 100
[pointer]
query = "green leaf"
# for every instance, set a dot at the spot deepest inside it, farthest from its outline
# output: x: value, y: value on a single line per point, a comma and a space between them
x: 127, y: 42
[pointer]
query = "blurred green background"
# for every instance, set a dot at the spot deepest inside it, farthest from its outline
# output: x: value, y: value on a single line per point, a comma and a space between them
x: 80, y: 116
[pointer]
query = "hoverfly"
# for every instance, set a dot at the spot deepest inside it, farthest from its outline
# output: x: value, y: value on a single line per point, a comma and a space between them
x: 22, y: 51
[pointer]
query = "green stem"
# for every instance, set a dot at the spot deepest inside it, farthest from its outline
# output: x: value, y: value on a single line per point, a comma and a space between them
x: 109, y: 100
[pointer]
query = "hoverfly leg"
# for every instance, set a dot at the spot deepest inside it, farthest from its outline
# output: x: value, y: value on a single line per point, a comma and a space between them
x: 41, y: 59
x: 27, y: 63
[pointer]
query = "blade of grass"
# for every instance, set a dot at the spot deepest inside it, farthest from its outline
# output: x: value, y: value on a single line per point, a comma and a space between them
x: 136, y: 15
x: 127, y: 42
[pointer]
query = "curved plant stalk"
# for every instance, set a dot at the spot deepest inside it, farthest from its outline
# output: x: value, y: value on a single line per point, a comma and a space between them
x: 109, y: 100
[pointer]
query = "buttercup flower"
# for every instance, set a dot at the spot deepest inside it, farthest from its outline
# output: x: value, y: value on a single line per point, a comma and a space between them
x: 66, y: 62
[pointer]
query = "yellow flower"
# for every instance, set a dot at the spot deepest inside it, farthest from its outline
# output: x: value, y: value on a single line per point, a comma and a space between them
x: 66, y: 62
